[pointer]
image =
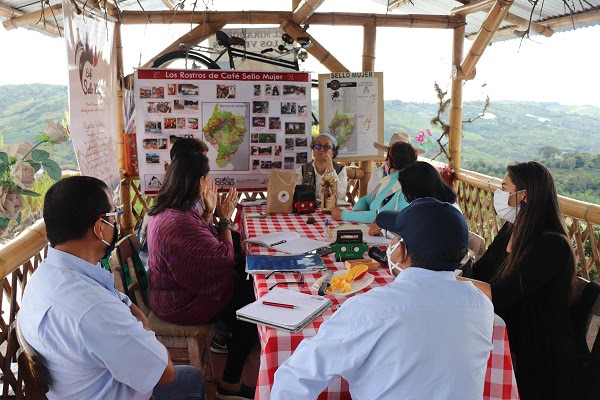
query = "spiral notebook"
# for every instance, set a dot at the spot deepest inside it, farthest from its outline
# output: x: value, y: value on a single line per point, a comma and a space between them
x: 288, y: 242
x: 307, y: 307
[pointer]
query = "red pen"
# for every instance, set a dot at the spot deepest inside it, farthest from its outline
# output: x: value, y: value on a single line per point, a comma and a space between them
x: 270, y: 303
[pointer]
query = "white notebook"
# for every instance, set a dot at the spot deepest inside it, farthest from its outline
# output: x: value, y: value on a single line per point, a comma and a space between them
x: 306, y: 308
x: 288, y: 242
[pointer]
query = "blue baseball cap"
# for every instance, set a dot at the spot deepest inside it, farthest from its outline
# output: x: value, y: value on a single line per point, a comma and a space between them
x: 430, y: 229
x: 328, y: 136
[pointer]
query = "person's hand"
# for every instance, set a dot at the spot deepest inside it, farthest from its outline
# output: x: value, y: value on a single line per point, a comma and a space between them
x: 209, y: 195
x: 227, y: 204
x: 336, y: 214
x: 329, y: 161
x: 374, y: 230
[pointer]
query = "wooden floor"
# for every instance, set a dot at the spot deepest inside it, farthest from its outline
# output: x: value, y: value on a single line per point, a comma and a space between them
x: 249, y: 376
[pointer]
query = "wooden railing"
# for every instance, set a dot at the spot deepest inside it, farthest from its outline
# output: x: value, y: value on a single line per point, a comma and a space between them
x: 18, y: 260
x: 20, y: 257
x: 581, y: 219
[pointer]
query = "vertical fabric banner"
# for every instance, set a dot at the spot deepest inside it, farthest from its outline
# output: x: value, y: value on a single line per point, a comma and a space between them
x: 93, y: 95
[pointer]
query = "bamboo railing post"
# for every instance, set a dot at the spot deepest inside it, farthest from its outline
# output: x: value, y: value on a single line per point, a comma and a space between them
x: 456, y: 100
x: 368, y: 64
x: 306, y: 10
x: 126, y: 221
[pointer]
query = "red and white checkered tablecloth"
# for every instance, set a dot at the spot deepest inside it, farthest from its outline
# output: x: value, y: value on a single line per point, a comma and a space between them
x: 277, y: 346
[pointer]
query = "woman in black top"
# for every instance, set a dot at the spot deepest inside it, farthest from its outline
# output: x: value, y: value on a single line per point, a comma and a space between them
x: 528, y: 270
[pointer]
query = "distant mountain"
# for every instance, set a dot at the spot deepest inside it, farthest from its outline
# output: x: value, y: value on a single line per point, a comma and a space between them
x: 511, y: 130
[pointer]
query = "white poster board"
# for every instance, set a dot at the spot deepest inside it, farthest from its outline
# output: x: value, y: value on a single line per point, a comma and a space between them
x: 252, y: 122
x: 92, y: 95
x: 351, y: 109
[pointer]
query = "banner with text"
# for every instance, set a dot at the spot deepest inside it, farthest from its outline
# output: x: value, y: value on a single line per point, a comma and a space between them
x: 92, y: 95
x: 252, y: 122
x: 351, y: 109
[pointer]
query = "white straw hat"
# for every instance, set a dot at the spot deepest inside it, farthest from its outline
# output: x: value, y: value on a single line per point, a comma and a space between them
x: 397, y: 137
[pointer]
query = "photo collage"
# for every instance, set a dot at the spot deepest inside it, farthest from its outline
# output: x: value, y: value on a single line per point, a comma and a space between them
x: 281, y: 126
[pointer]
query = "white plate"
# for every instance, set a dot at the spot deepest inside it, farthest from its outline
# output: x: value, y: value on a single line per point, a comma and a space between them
x: 357, y: 285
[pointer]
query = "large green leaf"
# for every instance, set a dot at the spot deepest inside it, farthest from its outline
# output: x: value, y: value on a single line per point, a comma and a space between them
x: 4, y: 157
x: 40, y: 155
x: 4, y: 222
x: 18, y: 218
x: 36, y: 165
x: 31, y: 193
x: 53, y: 169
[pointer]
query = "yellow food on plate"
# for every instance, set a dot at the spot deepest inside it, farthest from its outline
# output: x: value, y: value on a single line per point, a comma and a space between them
x: 344, y: 282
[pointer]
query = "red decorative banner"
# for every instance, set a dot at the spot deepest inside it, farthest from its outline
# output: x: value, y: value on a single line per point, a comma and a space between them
x: 222, y: 75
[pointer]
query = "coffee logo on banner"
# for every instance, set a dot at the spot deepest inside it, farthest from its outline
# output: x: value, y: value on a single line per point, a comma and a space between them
x: 86, y: 59
x: 225, y: 181
x: 283, y: 196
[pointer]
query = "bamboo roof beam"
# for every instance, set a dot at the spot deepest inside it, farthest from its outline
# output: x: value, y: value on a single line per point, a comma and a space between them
x: 275, y: 18
x: 470, y: 8
x: 11, y: 13
x: 484, y: 37
x: 169, y: 4
x: 193, y: 37
x: 523, y: 23
x: 33, y: 18
x: 295, y: 4
x: 307, y: 9
x: 316, y: 50
x: 396, y: 3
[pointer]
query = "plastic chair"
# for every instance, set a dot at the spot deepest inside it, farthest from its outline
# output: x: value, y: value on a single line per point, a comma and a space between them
x: 32, y: 371
x: 187, y: 344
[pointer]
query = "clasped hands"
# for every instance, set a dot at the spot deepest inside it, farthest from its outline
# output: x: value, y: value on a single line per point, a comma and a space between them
x: 225, y: 204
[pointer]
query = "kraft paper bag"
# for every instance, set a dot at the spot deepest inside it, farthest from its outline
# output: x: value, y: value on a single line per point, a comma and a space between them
x: 280, y: 192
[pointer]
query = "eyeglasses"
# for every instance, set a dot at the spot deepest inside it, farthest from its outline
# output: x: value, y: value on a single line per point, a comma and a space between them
x: 117, y: 214
x: 323, y: 147
x: 299, y: 281
x: 388, y: 234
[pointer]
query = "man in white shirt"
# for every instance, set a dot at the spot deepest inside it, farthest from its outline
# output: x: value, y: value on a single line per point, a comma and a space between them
x: 424, y: 336
x: 94, y: 342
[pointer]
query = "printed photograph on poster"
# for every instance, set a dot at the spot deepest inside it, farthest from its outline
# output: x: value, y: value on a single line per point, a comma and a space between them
x: 152, y: 158
x: 301, y: 142
x: 265, y: 165
x: 301, y: 157
x: 260, y: 107
x: 289, y: 143
x: 171, y: 89
x: 225, y: 91
x: 277, y: 150
x: 159, y: 107
x: 178, y: 105
x: 274, y: 123
x: 254, y: 150
x: 193, y: 123
x: 153, y: 127
x: 276, y: 165
x: 272, y: 90
x: 255, y: 164
x: 265, y: 151
x: 303, y: 110
x: 158, y: 92
x: 258, y: 122
x: 254, y: 138
x: 295, y: 128
x: 294, y: 90
x: 166, y: 165
x: 267, y: 138
x: 226, y: 129
x: 191, y: 105
x: 187, y: 89
x: 288, y: 108
x: 257, y: 92
x: 155, y: 144
x: 288, y: 162
x: 145, y: 92
x: 170, y: 123
x: 180, y: 123
x: 154, y: 181
x: 174, y: 138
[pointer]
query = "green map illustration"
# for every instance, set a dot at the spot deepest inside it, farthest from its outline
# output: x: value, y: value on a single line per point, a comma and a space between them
x: 342, y: 127
x: 225, y: 132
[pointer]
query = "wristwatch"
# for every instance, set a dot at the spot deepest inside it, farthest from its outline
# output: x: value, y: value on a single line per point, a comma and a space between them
x: 225, y: 224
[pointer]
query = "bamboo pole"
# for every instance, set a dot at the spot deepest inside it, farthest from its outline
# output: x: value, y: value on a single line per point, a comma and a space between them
x: 316, y: 50
x: 21, y: 249
x: 368, y: 64
x: 9, y: 12
x: 169, y: 4
x: 193, y: 37
x: 275, y: 17
x: 396, y: 3
x: 524, y: 23
x: 456, y: 100
x: 474, y: 7
x: 295, y: 4
x: 307, y: 9
x: 127, y: 220
x: 32, y: 18
x: 485, y: 35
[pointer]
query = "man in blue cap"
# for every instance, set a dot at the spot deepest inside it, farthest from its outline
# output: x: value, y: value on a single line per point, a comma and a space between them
x: 423, y: 336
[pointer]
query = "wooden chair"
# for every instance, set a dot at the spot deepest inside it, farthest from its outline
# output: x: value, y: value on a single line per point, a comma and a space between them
x: 32, y: 371
x: 187, y: 344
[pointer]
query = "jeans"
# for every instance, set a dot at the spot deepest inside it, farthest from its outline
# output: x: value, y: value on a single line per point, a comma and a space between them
x: 188, y: 385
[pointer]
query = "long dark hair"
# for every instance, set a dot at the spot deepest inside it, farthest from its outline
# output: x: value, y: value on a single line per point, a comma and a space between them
x: 539, y: 216
x: 181, y: 187
x: 421, y: 179
x: 401, y: 155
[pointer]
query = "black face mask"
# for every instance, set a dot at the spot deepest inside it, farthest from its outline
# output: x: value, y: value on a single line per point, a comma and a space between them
x: 113, y: 242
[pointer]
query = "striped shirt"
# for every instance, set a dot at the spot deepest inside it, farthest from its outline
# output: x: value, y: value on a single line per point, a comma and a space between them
x: 190, y: 269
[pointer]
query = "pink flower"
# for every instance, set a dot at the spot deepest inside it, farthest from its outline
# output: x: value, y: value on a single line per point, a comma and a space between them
x: 23, y: 174
x: 428, y: 132
x: 11, y: 202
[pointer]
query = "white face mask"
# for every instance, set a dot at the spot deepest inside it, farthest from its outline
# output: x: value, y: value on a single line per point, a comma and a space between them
x: 504, y: 211
x: 392, y: 265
